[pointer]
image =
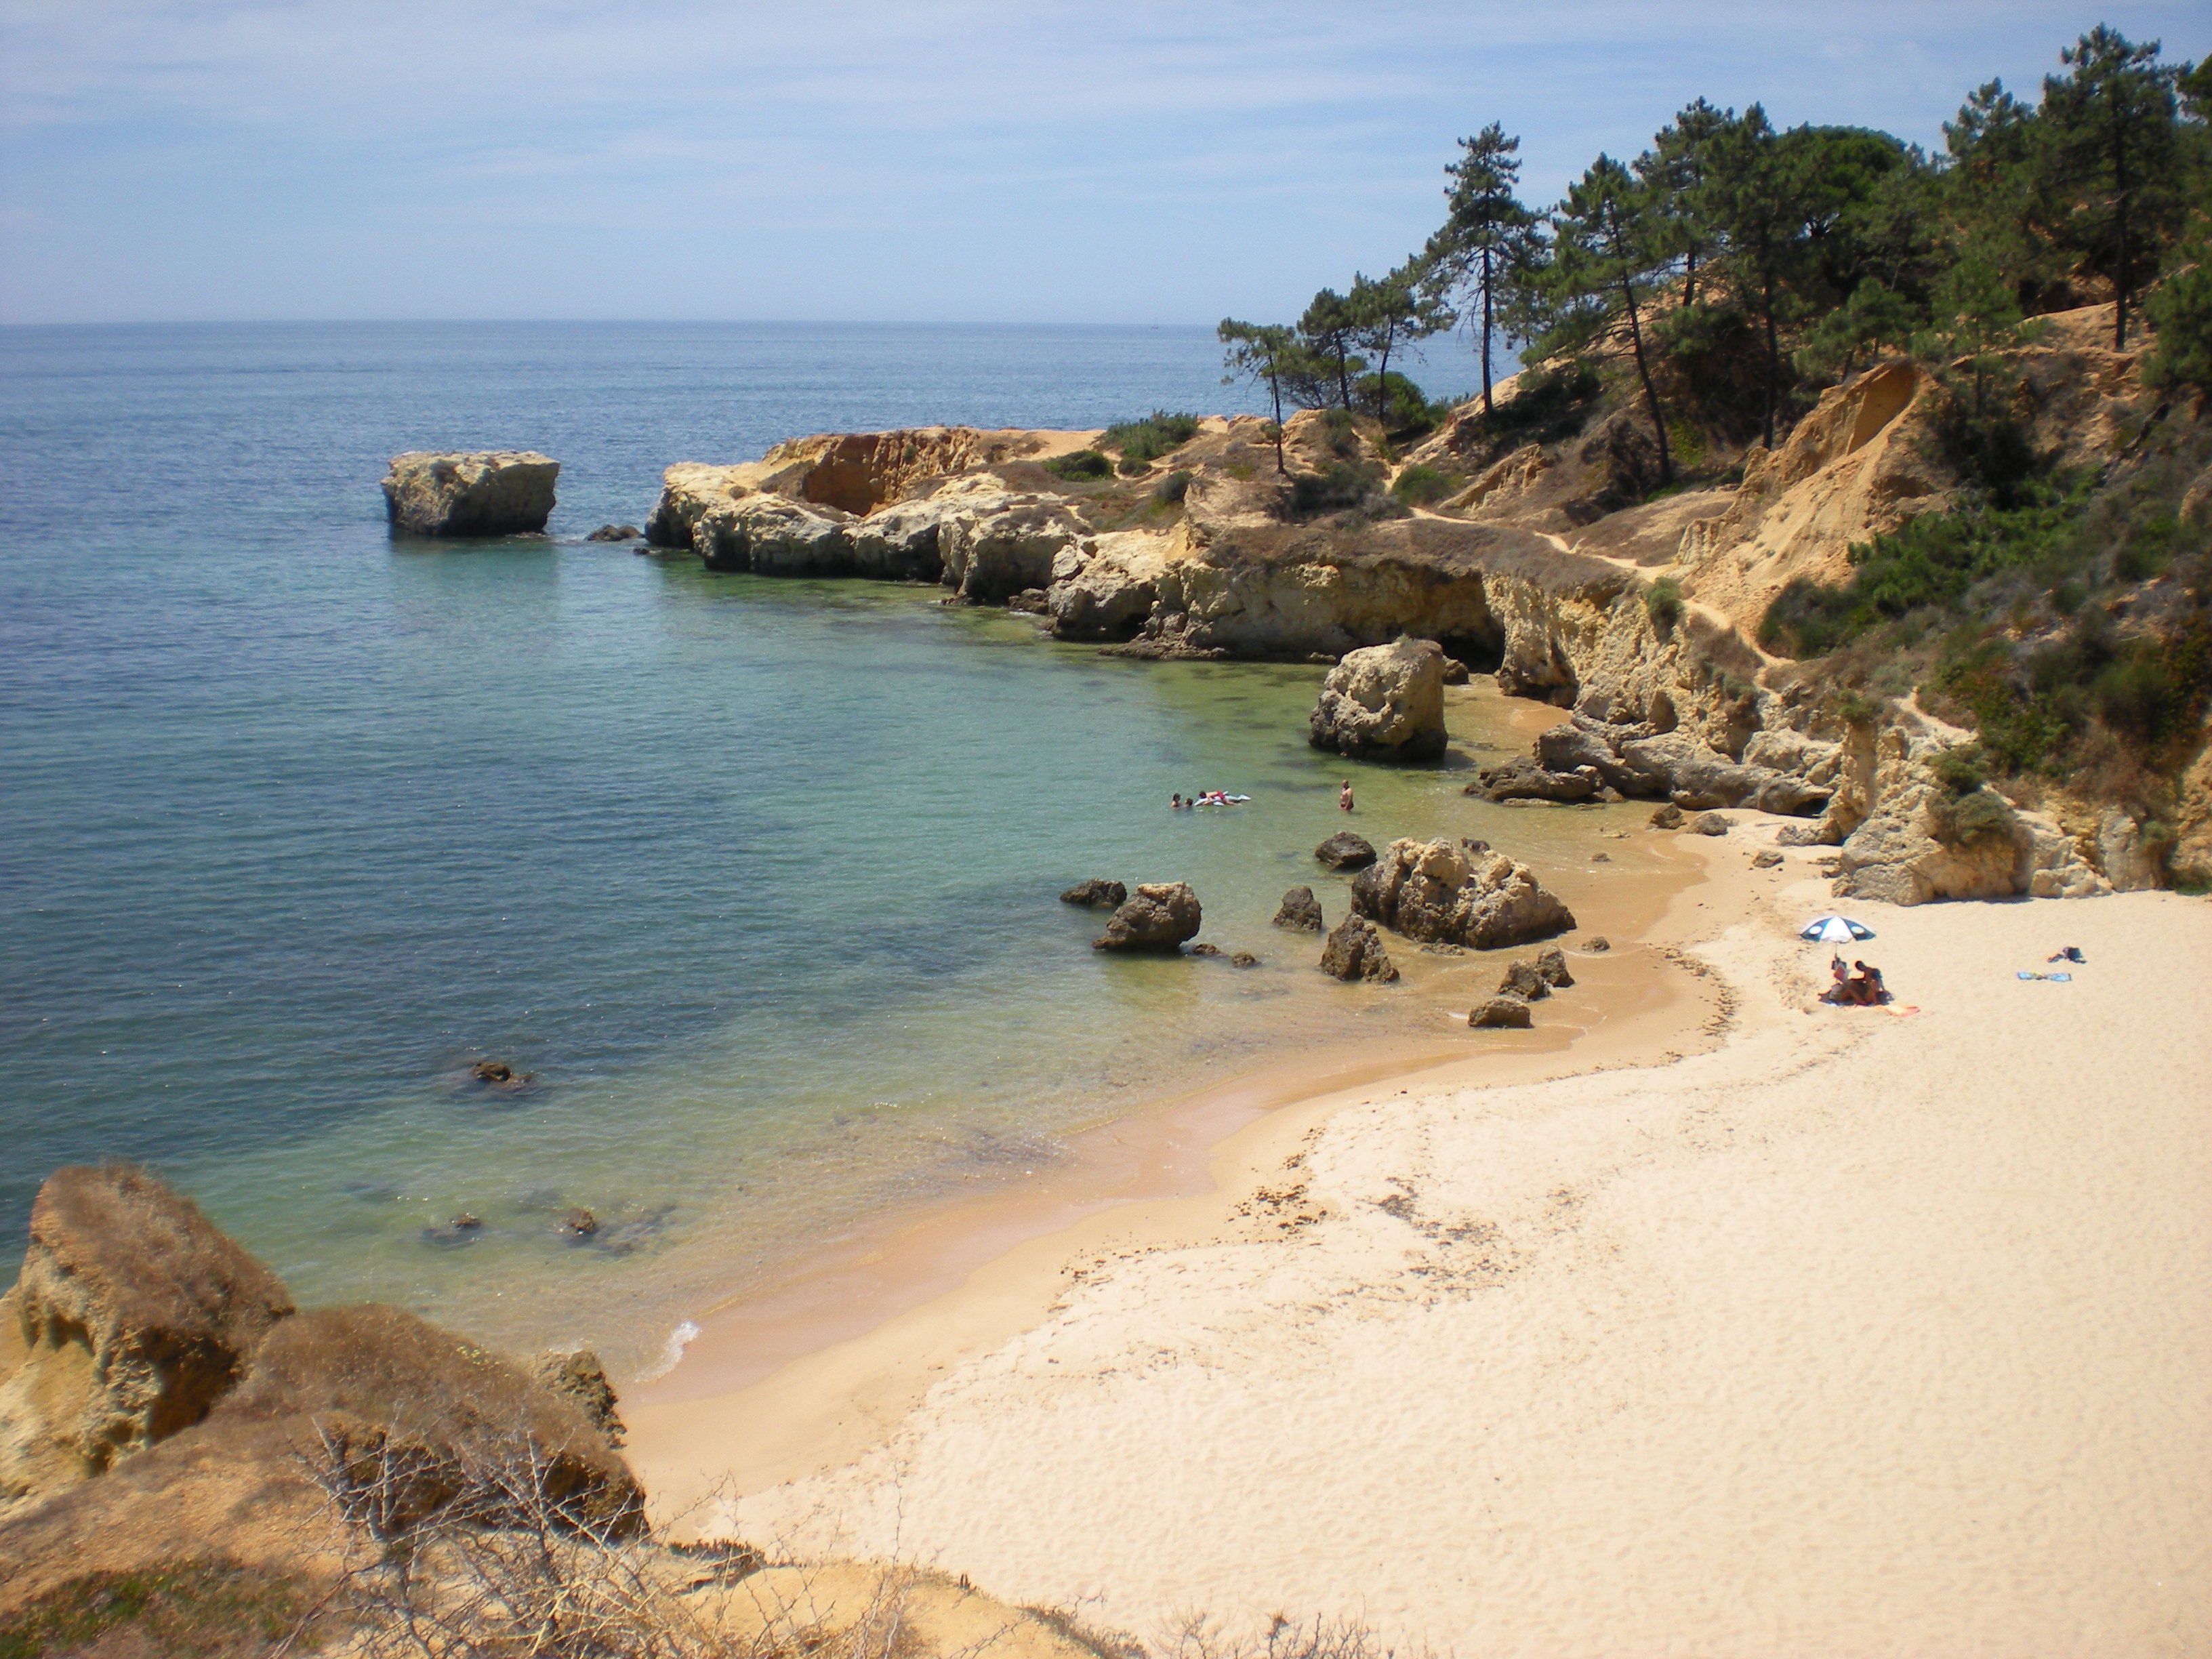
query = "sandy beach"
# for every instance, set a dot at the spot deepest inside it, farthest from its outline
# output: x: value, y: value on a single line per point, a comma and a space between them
x: 1858, y: 1331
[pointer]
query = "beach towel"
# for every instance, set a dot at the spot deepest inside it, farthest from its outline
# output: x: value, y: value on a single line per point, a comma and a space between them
x: 2064, y: 979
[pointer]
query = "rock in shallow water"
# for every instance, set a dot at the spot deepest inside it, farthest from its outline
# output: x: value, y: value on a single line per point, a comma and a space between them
x: 1440, y: 892
x: 1355, y: 950
x: 1345, y: 851
x: 1159, y: 916
x: 1385, y: 703
x: 483, y: 492
x: 1300, y: 911
x: 1099, y: 893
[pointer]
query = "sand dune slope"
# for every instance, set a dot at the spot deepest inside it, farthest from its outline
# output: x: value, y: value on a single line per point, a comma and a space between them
x: 1860, y: 1335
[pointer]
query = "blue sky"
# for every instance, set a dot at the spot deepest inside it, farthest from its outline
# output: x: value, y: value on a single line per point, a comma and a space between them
x: 1124, y: 162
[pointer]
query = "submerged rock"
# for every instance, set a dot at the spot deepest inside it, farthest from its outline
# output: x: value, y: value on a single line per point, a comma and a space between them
x: 615, y: 532
x: 1242, y: 959
x: 1159, y: 916
x: 1355, y: 950
x: 1205, y: 950
x: 1385, y: 703
x: 1436, y: 891
x: 483, y: 492
x: 1097, y: 893
x: 579, y: 1224
x: 1301, y: 910
x: 1345, y: 851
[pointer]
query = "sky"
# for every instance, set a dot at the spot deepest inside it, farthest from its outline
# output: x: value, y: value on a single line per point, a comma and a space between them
x: 848, y: 160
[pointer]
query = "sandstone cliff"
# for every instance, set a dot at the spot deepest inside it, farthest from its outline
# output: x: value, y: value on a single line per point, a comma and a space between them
x: 1547, y: 566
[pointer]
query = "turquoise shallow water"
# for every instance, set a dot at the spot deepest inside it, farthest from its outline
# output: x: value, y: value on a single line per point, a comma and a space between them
x: 757, y: 878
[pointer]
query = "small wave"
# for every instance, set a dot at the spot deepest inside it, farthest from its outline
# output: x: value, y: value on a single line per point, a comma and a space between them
x: 671, y: 1350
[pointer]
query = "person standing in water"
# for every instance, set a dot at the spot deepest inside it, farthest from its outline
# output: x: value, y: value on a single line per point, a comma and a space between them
x: 1344, y: 799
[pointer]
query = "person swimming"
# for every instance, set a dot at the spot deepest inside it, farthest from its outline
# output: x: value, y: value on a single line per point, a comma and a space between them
x: 1344, y: 796
x: 1175, y: 802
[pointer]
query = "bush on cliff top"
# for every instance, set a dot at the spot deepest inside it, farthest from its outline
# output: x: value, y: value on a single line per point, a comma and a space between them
x: 1142, y: 443
x: 1082, y: 465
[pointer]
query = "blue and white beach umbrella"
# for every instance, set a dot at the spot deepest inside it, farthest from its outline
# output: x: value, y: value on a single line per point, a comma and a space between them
x: 1834, y: 930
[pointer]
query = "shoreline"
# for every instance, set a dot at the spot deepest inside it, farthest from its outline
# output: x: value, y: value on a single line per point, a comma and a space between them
x: 1851, y: 1333
x: 839, y: 1350
x: 1163, y: 1148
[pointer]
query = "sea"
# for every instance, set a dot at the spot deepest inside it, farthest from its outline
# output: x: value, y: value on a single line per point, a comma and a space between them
x: 753, y: 880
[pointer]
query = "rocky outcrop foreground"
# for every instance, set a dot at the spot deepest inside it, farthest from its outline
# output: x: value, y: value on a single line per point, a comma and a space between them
x: 1441, y: 892
x: 161, y: 1376
x: 135, y: 1316
x: 1385, y: 703
x: 495, y: 493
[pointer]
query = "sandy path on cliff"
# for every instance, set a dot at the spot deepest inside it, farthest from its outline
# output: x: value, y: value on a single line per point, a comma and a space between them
x: 1860, y: 1335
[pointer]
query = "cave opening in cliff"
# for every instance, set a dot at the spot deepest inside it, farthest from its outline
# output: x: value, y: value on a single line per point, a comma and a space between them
x: 1482, y: 653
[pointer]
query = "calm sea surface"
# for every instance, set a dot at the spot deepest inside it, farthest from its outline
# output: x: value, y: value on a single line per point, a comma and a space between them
x: 756, y: 879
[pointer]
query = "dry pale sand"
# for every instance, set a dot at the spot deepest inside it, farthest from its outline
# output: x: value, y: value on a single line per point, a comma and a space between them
x: 1857, y: 1335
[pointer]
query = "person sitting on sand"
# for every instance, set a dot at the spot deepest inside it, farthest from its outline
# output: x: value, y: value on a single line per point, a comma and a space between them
x: 1344, y: 799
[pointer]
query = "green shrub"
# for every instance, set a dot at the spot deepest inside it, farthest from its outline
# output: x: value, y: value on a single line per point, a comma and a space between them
x: 1343, y: 485
x: 1172, y: 489
x: 1979, y: 815
x: 1404, y: 410
x: 1083, y: 464
x: 1419, y: 485
x: 1854, y: 708
x: 1962, y: 770
x: 1142, y: 443
x: 1547, y: 405
x: 1662, y: 601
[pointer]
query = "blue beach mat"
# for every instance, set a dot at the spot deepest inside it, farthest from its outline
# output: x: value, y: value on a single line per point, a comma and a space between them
x: 2066, y: 979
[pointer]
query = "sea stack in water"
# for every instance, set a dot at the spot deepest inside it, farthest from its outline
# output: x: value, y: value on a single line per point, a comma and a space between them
x: 497, y: 493
x: 1385, y: 702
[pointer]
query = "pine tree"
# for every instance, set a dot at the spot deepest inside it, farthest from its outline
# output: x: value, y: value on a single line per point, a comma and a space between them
x: 2112, y: 126
x: 1487, y: 246
x: 1604, y: 250
x: 1259, y: 352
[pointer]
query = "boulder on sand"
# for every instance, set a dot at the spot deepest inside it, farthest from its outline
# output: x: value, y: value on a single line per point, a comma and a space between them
x: 1551, y: 965
x: 1355, y: 950
x: 1669, y: 817
x: 1345, y: 851
x: 1097, y: 892
x: 1521, y: 980
x: 1385, y: 703
x: 1501, y: 1012
x: 1300, y: 911
x: 487, y: 493
x: 1442, y: 893
x: 1157, y: 916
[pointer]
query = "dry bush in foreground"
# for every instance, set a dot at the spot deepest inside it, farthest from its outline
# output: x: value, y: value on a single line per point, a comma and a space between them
x: 504, y: 1565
